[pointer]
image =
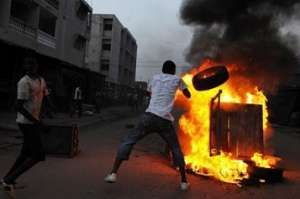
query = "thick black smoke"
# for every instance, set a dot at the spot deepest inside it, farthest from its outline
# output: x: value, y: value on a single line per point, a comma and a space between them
x: 244, y: 32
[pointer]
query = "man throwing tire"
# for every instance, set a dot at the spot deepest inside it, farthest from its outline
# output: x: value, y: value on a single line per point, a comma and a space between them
x: 157, y: 119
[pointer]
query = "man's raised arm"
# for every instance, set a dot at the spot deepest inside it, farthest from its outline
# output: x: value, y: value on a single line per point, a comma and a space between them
x: 186, y: 93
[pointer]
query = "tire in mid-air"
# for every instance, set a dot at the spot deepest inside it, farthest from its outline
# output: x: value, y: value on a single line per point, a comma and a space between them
x: 210, y: 78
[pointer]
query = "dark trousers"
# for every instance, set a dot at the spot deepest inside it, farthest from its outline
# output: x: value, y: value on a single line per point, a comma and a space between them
x: 31, y: 153
x: 150, y: 123
x: 76, y: 106
x: 98, y: 105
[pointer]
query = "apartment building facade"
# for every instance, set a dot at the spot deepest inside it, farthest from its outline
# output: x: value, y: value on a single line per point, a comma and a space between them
x: 112, y: 50
x: 56, y: 30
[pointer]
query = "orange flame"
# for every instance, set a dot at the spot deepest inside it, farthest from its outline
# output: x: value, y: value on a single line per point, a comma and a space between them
x: 194, y: 124
x: 265, y: 161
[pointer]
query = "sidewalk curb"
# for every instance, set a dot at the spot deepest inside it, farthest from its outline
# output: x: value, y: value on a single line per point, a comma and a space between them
x: 93, y: 121
x: 9, y: 127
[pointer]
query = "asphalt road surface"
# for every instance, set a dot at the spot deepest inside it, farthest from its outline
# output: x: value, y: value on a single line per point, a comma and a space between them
x: 146, y: 175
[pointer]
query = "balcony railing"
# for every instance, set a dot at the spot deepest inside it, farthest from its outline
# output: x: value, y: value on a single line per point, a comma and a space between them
x: 54, y: 3
x: 46, y: 39
x: 38, y: 35
x: 20, y: 26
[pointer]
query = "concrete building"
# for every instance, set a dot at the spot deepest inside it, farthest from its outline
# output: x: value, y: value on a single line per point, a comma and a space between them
x: 57, y: 30
x: 112, y: 50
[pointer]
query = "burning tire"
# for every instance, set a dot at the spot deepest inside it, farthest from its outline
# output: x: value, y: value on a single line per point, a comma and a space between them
x: 210, y: 78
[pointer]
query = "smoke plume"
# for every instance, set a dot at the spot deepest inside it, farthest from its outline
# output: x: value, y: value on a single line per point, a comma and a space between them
x: 244, y: 32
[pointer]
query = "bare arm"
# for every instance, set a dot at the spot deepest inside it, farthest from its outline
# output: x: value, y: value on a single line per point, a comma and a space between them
x: 183, y: 87
x: 25, y: 113
x: 148, y: 93
x: 186, y: 93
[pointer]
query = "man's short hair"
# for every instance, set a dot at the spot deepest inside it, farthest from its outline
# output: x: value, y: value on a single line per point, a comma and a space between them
x: 169, y: 67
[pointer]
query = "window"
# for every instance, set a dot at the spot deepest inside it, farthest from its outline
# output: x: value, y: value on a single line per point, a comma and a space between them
x: 82, y: 14
x: 82, y: 9
x: 47, y: 22
x: 89, y: 22
x: 79, y: 42
x: 108, y: 24
x: 23, y: 12
x: 126, y: 72
x: 106, y: 44
x: 105, y: 65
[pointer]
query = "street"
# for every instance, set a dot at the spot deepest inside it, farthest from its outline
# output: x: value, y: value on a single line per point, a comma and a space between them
x: 146, y: 175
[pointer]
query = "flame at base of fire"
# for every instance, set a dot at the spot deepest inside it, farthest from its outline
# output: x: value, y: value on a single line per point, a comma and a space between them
x: 265, y: 161
x: 221, y: 167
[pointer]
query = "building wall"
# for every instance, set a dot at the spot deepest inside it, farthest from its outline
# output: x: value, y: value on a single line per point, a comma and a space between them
x: 114, y: 54
x: 4, y: 12
x: 128, y: 58
x: 61, y: 64
x: 95, y: 45
x: 122, y: 53
x: 28, y: 34
x: 73, y: 27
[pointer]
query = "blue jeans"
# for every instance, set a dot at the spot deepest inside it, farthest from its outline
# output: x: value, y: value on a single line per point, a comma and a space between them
x: 150, y: 123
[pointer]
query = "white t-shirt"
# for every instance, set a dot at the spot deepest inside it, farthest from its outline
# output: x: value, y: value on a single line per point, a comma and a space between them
x: 78, y: 94
x: 33, y: 91
x: 163, y: 89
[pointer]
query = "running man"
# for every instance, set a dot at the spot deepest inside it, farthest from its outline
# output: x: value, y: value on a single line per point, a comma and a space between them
x: 30, y: 93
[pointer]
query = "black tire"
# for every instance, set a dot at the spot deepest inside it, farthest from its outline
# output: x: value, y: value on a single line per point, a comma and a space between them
x: 210, y: 78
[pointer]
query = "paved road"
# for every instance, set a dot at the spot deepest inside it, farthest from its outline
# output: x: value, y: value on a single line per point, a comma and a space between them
x: 147, y: 175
